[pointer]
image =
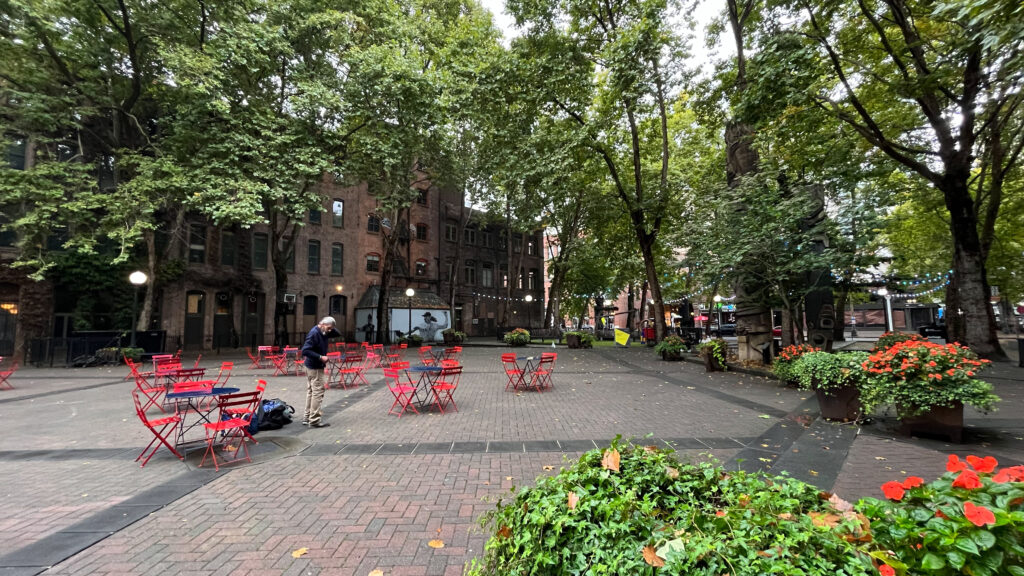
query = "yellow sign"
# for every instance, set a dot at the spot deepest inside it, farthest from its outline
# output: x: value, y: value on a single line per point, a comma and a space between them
x: 621, y: 337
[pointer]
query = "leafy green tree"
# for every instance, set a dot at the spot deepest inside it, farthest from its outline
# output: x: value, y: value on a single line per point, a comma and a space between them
x: 935, y: 87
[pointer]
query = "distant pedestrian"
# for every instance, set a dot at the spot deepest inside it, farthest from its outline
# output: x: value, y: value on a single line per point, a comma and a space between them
x: 314, y: 353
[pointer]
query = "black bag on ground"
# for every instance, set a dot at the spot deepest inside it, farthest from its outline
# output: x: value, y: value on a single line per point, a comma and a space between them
x: 276, y: 413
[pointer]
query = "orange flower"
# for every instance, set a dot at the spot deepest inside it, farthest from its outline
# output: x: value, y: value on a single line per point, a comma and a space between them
x: 983, y: 465
x: 886, y: 570
x: 893, y: 490
x: 954, y: 464
x: 967, y: 479
x: 912, y: 482
x: 978, y: 515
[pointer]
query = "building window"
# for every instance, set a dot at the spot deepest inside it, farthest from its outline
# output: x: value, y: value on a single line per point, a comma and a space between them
x: 502, y: 241
x: 487, y: 275
x: 421, y: 231
x: 532, y: 279
x: 316, y: 216
x: 422, y: 198
x: 336, y: 306
x: 469, y: 272
x: 504, y: 276
x: 450, y: 232
x: 531, y: 247
x: 522, y: 279
x: 487, y: 239
x: 196, y: 244
x: 313, y: 260
x: 373, y: 263
x: 228, y: 248
x: 373, y: 224
x: 259, y: 251
x: 469, y: 236
x: 337, y: 259
x: 309, y: 305
x: 517, y: 243
x: 421, y: 267
x: 338, y: 213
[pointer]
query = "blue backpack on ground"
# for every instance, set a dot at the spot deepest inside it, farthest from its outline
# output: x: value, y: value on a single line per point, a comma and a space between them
x: 272, y: 414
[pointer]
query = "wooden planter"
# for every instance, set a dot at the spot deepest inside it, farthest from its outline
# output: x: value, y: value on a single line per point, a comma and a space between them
x: 452, y: 340
x: 941, y: 421
x: 839, y: 403
x: 573, y: 341
x: 672, y: 356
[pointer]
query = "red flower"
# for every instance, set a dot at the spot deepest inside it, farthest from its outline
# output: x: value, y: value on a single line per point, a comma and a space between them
x: 1013, y: 474
x: 982, y: 465
x: 939, y: 514
x: 954, y: 464
x: 978, y: 515
x: 893, y: 490
x: 886, y: 570
x: 932, y: 363
x: 967, y: 479
x: 719, y: 513
x: 912, y: 482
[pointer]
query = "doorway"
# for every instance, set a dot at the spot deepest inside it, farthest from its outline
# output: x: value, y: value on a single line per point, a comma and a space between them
x: 195, y: 308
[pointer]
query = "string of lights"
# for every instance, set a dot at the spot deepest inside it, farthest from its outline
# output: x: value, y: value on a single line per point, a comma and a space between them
x: 923, y: 292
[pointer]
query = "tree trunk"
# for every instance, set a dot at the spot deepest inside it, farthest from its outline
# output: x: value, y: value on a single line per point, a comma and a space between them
x: 970, y: 319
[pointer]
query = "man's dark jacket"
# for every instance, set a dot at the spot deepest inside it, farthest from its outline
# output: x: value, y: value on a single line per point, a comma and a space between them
x: 315, y: 346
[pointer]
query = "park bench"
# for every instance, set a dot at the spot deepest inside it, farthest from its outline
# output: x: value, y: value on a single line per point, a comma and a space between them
x: 543, y: 334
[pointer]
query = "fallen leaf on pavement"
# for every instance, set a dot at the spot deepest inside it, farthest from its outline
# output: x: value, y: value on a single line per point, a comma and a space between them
x: 299, y: 553
x: 376, y: 573
x: 436, y: 543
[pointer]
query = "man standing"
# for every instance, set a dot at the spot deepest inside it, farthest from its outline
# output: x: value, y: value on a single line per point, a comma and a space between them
x: 314, y: 352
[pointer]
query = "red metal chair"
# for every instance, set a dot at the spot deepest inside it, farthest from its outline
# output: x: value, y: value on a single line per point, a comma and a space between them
x: 540, y: 377
x: 239, y: 411
x: 224, y: 374
x: 404, y: 391
x: 280, y: 362
x: 453, y: 353
x: 162, y: 429
x: 512, y: 370
x: 446, y: 384
x: 5, y: 375
x: 152, y: 393
x: 378, y: 351
x: 134, y: 370
x: 352, y: 369
x: 228, y: 427
x: 426, y: 356
x: 255, y: 358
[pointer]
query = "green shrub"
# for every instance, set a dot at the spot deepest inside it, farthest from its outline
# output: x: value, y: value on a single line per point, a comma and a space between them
x: 517, y: 337
x: 889, y: 338
x: 828, y: 371
x: 785, y: 362
x: 586, y: 338
x: 716, y: 348
x: 595, y: 518
x: 672, y: 344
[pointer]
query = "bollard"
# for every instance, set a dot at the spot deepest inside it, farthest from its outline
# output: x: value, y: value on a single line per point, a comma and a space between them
x: 1020, y: 352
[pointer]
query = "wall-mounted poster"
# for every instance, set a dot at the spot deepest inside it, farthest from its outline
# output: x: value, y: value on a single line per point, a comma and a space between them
x: 428, y: 324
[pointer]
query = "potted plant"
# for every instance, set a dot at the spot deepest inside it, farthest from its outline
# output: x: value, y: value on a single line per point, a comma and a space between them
x: 411, y: 341
x: 968, y: 521
x: 453, y: 337
x: 836, y: 380
x: 578, y: 339
x: 929, y: 383
x: 783, y: 364
x: 889, y: 338
x: 517, y: 337
x: 671, y: 348
x: 714, y: 352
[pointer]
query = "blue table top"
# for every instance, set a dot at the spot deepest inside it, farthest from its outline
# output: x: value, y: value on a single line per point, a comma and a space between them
x: 424, y: 369
x: 201, y: 393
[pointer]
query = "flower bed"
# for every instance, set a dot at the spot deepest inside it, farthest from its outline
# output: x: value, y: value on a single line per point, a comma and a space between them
x: 784, y: 363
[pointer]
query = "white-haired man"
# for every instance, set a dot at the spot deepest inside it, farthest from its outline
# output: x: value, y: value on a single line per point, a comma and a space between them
x: 314, y: 353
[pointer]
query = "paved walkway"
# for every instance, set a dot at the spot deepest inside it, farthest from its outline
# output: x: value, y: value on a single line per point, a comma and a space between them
x: 372, y: 490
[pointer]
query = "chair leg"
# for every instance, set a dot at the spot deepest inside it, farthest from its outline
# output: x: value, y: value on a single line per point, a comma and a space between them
x: 162, y: 438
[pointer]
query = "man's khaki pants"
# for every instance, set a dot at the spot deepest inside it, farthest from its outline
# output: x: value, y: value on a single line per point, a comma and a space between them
x: 314, y: 395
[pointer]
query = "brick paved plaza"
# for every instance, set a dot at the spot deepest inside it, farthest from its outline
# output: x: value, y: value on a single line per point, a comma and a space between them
x: 370, y: 491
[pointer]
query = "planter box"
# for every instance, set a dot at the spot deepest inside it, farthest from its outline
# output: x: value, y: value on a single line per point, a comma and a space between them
x: 672, y: 356
x: 573, y: 341
x: 942, y: 421
x: 840, y: 403
x: 711, y: 364
x: 450, y: 340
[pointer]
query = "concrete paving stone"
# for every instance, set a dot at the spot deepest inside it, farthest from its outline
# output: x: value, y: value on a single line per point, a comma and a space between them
x: 433, y: 448
x: 541, y: 446
x: 468, y: 447
x: 505, y: 447
x: 361, y: 448
x: 393, y: 449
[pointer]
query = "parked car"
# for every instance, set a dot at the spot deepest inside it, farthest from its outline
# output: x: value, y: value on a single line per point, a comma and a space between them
x: 935, y: 329
x: 723, y: 330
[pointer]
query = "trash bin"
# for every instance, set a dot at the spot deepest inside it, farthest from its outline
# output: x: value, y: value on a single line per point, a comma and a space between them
x: 1020, y: 352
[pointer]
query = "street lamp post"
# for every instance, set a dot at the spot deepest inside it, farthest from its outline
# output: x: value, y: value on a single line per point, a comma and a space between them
x: 529, y: 310
x: 888, y: 308
x: 137, y: 278
x: 409, y: 292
